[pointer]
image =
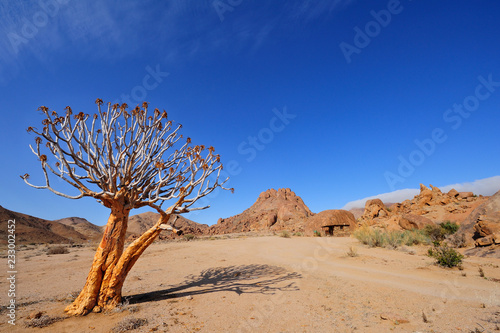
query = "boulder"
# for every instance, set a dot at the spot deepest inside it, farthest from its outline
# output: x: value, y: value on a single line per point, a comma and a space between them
x: 487, y: 225
x: 465, y: 195
x: 412, y: 221
x: 485, y: 241
x: 373, y: 209
x: 453, y: 193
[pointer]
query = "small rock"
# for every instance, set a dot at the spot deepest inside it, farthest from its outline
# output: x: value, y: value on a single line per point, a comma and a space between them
x: 189, y: 297
x: 394, y: 317
x: 36, y: 314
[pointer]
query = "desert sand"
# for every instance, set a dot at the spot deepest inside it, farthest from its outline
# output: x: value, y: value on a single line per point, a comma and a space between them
x: 267, y: 284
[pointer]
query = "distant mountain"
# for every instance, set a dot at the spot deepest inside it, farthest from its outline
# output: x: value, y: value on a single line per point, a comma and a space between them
x: 30, y: 229
x: 357, y: 212
x: 89, y: 230
x: 138, y: 224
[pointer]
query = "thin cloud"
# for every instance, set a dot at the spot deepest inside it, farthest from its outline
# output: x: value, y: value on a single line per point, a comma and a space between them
x: 105, y: 30
x: 486, y: 186
x: 312, y: 9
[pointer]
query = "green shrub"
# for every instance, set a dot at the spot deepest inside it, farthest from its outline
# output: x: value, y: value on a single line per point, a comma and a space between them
x: 450, y: 227
x: 317, y: 233
x: 298, y: 234
x: 445, y: 256
x: 440, y: 231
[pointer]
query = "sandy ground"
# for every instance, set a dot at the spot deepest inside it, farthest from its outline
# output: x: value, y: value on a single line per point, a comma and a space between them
x: 268, y: 284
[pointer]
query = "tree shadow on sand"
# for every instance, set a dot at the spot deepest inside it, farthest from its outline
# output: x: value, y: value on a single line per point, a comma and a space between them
x: 244, y: 279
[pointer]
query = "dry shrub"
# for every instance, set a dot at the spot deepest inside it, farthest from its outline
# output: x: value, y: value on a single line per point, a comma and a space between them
x: 390, y: 239
x: 129, y: 324
x: 285, y: 234
x: 189, y: 237
x: 42, y: 321
x: 353, y: 252
x: 57, y: 250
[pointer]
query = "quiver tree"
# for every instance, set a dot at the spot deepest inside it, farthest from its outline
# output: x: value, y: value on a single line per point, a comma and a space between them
x: 125, y: 160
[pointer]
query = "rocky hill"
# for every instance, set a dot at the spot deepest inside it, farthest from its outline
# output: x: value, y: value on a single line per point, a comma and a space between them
x: 428, y: 207
x: 138, y: 224
x: 30, y: 229
x: 89, y: 230
x: 274, y: 210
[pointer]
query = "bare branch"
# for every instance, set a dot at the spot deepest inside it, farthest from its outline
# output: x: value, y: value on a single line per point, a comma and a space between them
x: 134, y: 153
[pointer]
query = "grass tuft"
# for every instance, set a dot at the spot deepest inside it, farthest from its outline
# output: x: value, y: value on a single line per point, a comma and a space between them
x: 390, y: 239
x: 285, y: 234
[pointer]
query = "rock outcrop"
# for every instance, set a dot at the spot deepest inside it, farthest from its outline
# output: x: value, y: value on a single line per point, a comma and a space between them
x: 430, y: 206
x: 375, y: 208
x: 482, y: 226
x: 273, y: 211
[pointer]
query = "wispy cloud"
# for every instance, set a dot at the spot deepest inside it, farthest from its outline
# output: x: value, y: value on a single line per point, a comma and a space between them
x: 312, y: 9
x: 486, y: 186
x: 106, y: 29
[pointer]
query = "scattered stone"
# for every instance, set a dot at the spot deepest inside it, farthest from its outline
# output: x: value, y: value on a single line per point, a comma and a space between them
x: 36, y: 314
x: 394, y: 318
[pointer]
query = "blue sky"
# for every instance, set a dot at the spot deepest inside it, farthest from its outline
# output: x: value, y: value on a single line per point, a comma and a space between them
x: 337, y: 100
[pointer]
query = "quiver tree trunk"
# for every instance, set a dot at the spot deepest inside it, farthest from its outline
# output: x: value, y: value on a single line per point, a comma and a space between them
x: 111, y: 265
x: 107, y: 256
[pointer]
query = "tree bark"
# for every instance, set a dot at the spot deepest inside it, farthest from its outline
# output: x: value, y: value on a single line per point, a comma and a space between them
x: 111, y: 265
x: 107, y: 255
x: 111, y: 297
